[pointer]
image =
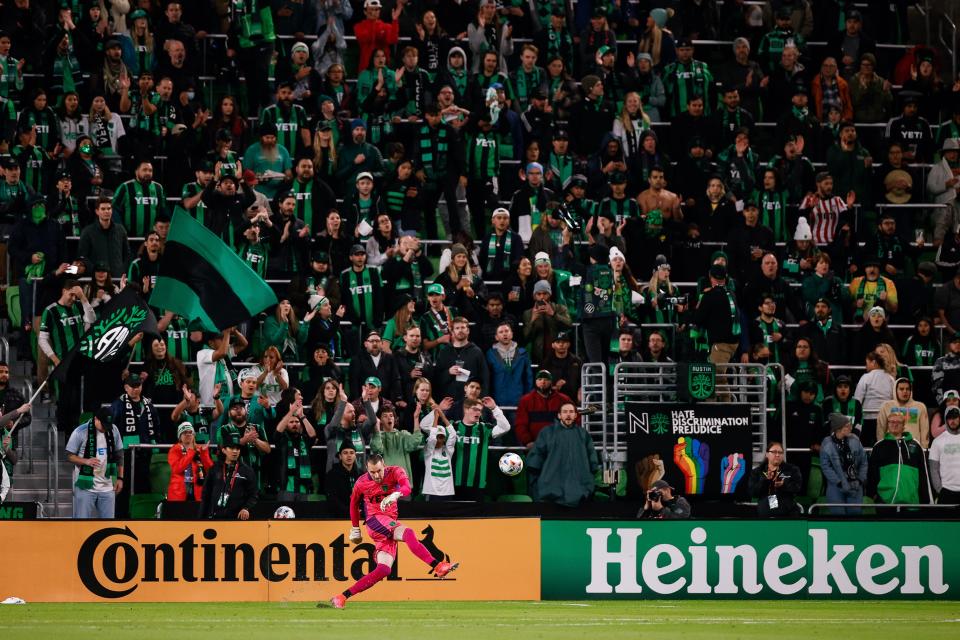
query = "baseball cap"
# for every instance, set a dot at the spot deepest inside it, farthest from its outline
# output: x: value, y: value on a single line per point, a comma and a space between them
x: 562, y: 336
x: 373, y: 381
x: 104, y: 416
x: 357, y: 249
x: 661, y: 484
x: 544, y: 375
x: 372, y: 4
x: 952, y: 393
x: 500, y: 211
x: 435, y: 289
x: 236, y: 401
x: 133, y: 380
x: 364, y: 174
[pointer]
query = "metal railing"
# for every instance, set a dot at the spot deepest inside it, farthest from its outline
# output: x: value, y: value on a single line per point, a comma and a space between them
x: 866, y: 506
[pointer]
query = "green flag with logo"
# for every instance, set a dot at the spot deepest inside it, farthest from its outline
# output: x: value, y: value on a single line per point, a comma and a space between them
x: 125, y: 315
x: 201, y: 279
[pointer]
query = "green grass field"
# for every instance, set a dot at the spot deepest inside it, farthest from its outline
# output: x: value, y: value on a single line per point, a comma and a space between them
x: 468, y: 620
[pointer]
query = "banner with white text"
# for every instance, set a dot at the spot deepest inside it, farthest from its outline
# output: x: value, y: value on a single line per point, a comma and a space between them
x: 699, y: 448
x: 649, y: 559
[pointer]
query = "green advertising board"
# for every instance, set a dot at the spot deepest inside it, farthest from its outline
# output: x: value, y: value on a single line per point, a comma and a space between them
x: 644, y: 559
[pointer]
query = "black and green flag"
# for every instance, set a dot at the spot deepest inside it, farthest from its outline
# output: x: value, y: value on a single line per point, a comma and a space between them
x: 125, y: 315
x: 202, y: 279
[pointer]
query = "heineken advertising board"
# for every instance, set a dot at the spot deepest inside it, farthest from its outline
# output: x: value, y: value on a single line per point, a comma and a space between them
x: 763, y: 559
x: 702, y: 449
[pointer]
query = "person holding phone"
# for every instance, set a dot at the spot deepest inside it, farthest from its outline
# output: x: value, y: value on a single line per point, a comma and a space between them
x: 775, y: 484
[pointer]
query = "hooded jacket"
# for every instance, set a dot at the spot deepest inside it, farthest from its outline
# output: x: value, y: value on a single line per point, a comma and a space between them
x: 897, y: 472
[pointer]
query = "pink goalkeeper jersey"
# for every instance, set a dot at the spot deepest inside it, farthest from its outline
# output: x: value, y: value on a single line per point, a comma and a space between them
x: 372, y: 493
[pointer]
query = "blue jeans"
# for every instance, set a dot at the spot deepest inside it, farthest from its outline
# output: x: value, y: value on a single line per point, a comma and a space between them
x: 93, y: 504
x: 838, y: 495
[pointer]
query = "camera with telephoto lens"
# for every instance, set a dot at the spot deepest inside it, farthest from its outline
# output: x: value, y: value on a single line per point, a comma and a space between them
x: 654, y: 496
x: 563, y: 214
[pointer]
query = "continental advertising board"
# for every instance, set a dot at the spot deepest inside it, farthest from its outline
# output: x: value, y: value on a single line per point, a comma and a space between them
x: 146, y: 561
x: 795, y: 559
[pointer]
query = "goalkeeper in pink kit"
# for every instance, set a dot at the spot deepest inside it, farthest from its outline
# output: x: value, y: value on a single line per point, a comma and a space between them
x: 380, y: 488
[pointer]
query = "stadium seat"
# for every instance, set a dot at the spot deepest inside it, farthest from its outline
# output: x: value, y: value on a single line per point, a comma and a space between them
x: 143, y: 506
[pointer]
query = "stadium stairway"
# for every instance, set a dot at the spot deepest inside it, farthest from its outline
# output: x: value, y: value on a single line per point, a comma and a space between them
x: 30, y: 475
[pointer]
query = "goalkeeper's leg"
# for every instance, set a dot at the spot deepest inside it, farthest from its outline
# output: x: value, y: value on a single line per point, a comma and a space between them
x: 407, y: 535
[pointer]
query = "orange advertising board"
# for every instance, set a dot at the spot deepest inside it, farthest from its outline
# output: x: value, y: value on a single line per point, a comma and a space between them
x: 277, y: 560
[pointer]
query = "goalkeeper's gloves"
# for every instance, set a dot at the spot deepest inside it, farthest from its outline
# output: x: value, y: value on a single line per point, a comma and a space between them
x: 355, y: 536
x: 389, y: 500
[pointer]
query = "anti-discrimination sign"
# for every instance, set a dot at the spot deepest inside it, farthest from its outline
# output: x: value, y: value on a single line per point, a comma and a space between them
x: 702, y: 449
x: 764, y: 559
x: 137, y: 561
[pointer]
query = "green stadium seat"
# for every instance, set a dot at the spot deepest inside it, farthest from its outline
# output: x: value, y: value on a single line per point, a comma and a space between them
x: 316, y: 497
x: 143, y: 506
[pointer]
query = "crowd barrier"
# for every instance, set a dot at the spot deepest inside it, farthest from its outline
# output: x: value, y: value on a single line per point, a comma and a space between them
x: 290, y: 560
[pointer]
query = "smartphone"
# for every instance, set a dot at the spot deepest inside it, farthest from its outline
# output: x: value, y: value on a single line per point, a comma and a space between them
x: 72, y: 269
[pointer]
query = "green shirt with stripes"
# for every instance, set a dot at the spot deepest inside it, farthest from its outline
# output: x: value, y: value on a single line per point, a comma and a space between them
x: 64, y: 325
x: 199, y: 212
x: 483, y: 159
x: 139, y: 119
x: 288, y: 124
x: 473, y: 450
x: 31, y: 160
x: 138, y: 204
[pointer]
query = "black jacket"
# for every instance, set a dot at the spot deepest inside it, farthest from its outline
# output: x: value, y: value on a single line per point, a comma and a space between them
x: 362, y: 367
x: 339, y: 485
x: 713, y: 314
x: 242, y: 496
x: 471, y: 359
x: 761, y: 489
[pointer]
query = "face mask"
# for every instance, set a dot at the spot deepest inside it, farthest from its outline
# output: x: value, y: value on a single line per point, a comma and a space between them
x: 38, y: 213
x: 191, y: 95
x: 86, y: 148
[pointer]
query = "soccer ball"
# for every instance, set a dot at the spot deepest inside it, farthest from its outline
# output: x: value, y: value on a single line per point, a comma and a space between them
x: 284, y: 513
x: 511, y: 464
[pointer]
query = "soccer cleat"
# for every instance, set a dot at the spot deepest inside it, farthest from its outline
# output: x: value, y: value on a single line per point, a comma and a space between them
x: 338, y: 601
x: 443, y: 568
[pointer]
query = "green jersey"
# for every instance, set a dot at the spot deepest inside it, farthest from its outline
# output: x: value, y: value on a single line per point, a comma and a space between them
x: 139, y: 118
x: 619, y: 210
x: 138, y: 204
x: 199, y: 212
x: 288, y: 125
x: 31, y: 161
x: 483, y: 159
x: 473, y: 450
x: 202, y: 422
x: 64, y: 325
x: 10, y: 79
x: 255, y: 255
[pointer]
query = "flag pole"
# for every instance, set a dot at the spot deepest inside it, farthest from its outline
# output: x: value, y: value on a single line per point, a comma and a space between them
x: 32, y: 398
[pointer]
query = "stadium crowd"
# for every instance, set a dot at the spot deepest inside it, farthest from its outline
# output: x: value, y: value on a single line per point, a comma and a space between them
x: 458, y: 203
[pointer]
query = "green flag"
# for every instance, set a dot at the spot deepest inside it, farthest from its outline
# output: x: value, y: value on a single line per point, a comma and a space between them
x: 201, y: 279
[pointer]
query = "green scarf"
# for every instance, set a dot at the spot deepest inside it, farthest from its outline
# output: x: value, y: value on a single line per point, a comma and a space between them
x: 85, y: 477
x: 298, y: 465
x: 492, y: 250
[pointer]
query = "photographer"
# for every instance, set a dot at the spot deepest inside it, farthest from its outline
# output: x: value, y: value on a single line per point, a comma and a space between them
x: 775, y: 483
x: 231, y: 489
x: 189, y: 465
x: 662, y: 504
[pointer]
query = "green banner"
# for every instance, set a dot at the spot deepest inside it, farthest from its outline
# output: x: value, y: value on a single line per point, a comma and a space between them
x: 765, y: 559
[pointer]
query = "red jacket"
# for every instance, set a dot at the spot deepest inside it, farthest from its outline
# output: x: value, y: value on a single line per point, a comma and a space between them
x: 537, y: 411
x: 177, y: 491
x: 375, y: 34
